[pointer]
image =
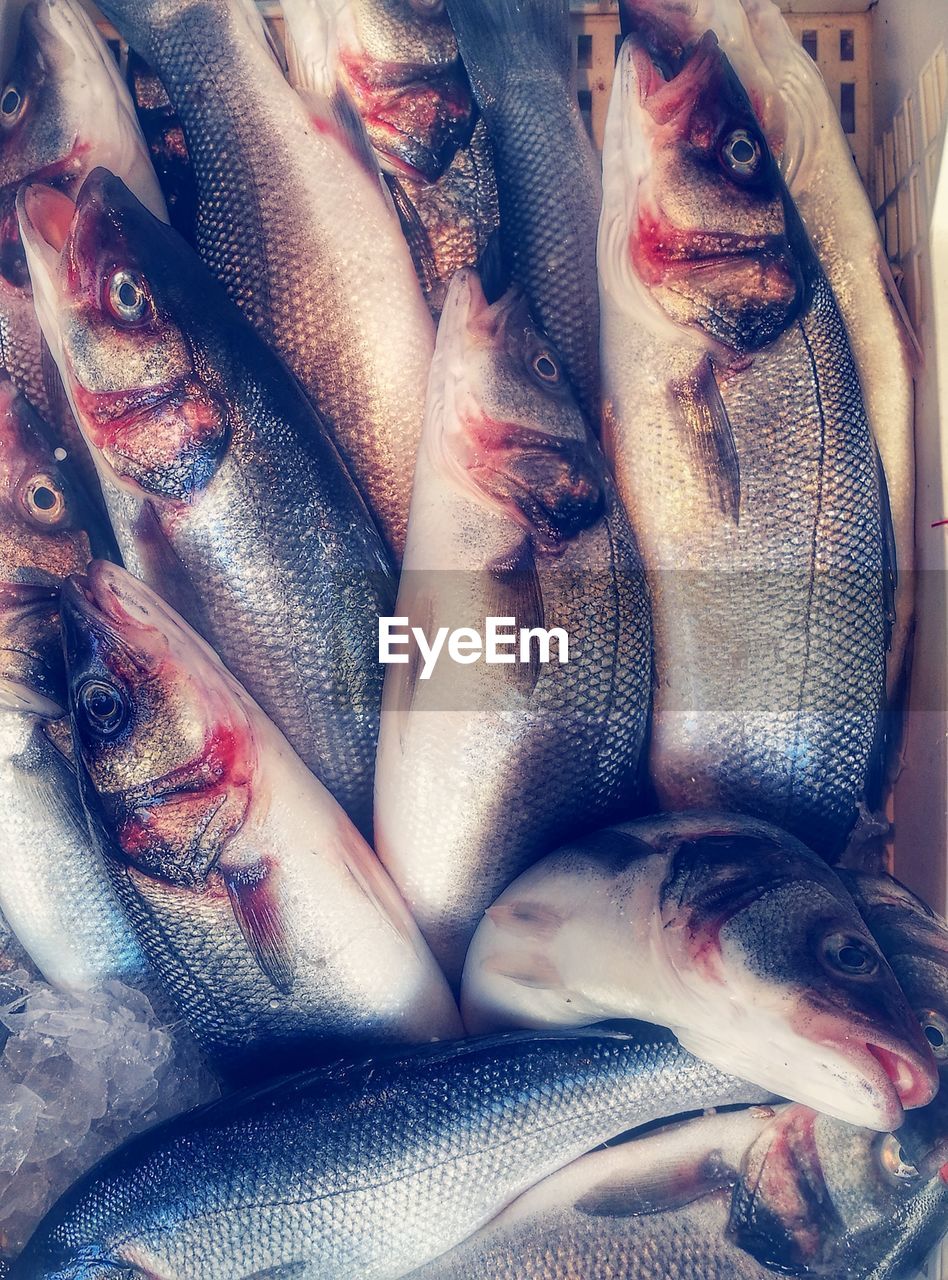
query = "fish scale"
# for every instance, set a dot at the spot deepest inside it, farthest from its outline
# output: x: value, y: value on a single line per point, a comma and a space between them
x: 371, y: 1171
x: 295, y: 226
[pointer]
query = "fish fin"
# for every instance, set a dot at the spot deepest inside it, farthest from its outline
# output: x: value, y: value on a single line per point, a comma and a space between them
x: 492, y: 268
x: 659, y: 1188
x: 890, y: 554
x: 515, y: 592
x: 257, y: 912
x: 913, y: 348
x: 415, y: 233
x: 527, y: 968
x: 711, y: 437
x: 499, y: 37
x: 526, y: 917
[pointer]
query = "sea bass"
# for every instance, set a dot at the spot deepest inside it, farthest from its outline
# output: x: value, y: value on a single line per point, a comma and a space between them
x: 295, y: 225
x: 728, y: 931
x: 399, y: 62
x: 386, y: 1165
x: 513, y: 517
x: 668, y: 1204
x: 248, y: 522
x: 743, y: 452
x: 517, y: 54
x: 271, y: 922
x: 54, y: 891
x: 801, y: 121
x: 63, y: 110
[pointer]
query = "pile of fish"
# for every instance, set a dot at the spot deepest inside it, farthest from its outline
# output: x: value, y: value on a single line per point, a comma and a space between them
x: 335, y: 951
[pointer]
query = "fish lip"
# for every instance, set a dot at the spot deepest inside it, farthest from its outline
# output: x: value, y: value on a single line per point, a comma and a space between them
x: 913, y: 1086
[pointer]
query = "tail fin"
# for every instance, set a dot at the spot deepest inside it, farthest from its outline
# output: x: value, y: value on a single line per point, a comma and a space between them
x: 498, y: 38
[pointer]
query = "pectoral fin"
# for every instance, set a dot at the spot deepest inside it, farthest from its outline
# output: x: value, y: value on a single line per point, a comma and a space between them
x: 254, y: 901
x: 711, y: 438
x: 515, y: 592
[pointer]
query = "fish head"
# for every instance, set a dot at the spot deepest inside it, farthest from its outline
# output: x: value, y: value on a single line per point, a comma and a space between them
x: 162, y: 736
x: 116, y: 291
x: 509, y: 430
x: 754, y: 922
x: 47, y: 529
x: 400, y: 62
x: 63, y: 109
x: 698, y: 230
x: 816, y: 1197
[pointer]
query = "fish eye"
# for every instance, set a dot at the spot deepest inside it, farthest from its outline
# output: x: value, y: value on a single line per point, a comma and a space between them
x: 742, y: 153
x: 128, y: 298
x: 103, y: 707
x: 894, y: 1160
x: 545, y: 367
x: 936, y: 1032
x: 43, y: 499
x: 11, y: 104
x: 850, y: 955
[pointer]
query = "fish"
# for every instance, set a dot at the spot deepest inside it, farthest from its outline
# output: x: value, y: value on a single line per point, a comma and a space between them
x: 167, y: 146
x: 399, y: 63
x: 63, y: 110
x: 296, y: 227
x: 514, y: 517
x: 737, y: 430
x: 518, y: 57
x: 663, y: 1204
x: 272, y: 924
x: 248, y: 521
x: 728, y: 931
x: 801, y: 121
x: 55, y: 894
x: 387, y: 1163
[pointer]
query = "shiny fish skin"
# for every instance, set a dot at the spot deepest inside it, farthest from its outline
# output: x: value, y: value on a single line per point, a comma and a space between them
x: 271, y: 922
x: 54, y: 891
x: 518, y: 58
x: 751, y: 480
x: 248, y: 523
x: 728, y: 931
x: 297, y: 229
x: 513, y: 516
x: 75, y: 113
x: 386, y: 1165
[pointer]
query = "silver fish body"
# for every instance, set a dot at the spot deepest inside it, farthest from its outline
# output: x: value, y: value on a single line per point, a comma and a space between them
x: 514, y: 518
x: 738, y: 432
x: 295, y: 225
x: 517, y: 54
x: 386, y: 1165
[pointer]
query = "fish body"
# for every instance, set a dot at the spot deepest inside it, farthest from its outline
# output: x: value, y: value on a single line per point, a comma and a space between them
x: 167, y: 146
x: 737, y: 429
x: 272, y: 924
x: 386, y: 1165
x: 400, y: 65
x: 517, y: 54
x: 728, y: 931
x: 685, y: 1201
x: 65, y: 110
x: 245, y: 518
x: 483, y: 767
x: 296, y: 227
x: 54, y: 891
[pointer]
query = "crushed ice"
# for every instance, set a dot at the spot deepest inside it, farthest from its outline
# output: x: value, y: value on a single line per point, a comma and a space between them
x: 79, y: 1073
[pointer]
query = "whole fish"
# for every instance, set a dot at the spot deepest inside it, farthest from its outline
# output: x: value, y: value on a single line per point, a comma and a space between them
x: 513, y: 517
x: 294, y: 223
x: 518, y: 56
x: 400, y: 64
x: 271, y: 922
x: 670, y: 1203
x: 801, y: 121
x: 248, y: 522
x: 742, y: 449
x: 63, y: 110
x: 728, y: 931
x: 367, y: 1171
x: 54, y: 891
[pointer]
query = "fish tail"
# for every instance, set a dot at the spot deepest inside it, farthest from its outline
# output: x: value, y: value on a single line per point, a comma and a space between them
x: 498, y: 38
